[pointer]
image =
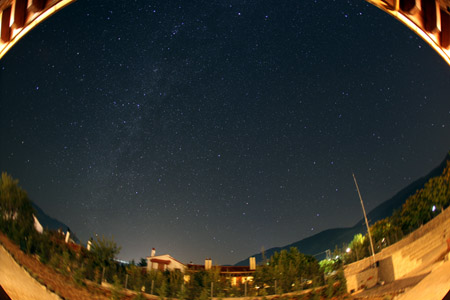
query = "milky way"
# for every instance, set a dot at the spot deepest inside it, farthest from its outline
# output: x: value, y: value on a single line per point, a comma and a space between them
x: 211, y: 129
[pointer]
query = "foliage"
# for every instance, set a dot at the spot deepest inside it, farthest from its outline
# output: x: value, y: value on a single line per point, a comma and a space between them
x: 162, y: 290
x: 204, y: 294
x: 104, y: 251
x: 16, y: 213
x: 288, y: 270
x: 116, y: 292
x: 329, y: 265
x: 418, y: 209
x: 174, y: 282
x: 142, y: 262
x: 358, y: 248
x: 140, y: 296
x: 136, y: 277
x: 78, y: 276
x: 182, y: 295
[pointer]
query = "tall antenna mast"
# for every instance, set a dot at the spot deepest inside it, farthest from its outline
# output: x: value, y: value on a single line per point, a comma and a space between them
x: 365, y: 218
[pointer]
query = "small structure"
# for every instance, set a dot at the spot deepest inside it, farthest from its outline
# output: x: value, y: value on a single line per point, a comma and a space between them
x: 89, y: 245
x: 37, y: 225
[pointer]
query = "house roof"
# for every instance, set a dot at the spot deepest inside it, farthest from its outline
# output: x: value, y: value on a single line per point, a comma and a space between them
x: 230, y: 270
x: 164, y: 257
x: 160, y: 261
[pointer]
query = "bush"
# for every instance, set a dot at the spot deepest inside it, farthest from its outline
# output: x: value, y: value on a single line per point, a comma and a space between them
x: 139, y: 296
x: 204, y: 295
x: 116, y: 293
x: 78, y: 276
x: 54, y: 261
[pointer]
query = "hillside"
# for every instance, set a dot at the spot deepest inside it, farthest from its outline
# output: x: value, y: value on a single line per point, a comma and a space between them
x: 50, y: 223
x: 329, y: 238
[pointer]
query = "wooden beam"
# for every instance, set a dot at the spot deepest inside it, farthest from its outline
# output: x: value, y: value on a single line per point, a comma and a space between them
x: 431, y: 15
x: 20, y: 13
x: 37, y: 5
x: 445, y: 30
x: 5, y: 35
x: 410, y: 6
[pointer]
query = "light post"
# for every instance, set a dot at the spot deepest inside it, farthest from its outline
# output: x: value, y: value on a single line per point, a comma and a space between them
x: 365, y: 218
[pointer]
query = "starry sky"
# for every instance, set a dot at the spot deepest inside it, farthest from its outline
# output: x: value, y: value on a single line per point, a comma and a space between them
x: 215, y: 128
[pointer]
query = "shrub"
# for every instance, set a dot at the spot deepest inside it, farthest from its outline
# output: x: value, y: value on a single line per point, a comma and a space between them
x: 116, y: 293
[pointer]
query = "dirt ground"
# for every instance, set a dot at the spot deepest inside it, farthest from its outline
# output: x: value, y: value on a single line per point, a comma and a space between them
x: 53, y: 281
x: 390, y: 289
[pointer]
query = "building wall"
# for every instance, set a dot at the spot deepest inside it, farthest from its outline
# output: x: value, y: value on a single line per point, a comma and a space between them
x: 422, y: 247
x: 173, y: 265
x: 365, y: 279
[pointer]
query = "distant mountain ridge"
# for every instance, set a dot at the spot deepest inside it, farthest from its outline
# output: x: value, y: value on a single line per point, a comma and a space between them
x: 50, y: 223
x: 329, y: 238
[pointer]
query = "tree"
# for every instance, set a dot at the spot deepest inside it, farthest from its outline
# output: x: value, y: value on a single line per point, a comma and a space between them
x: 142, y: 262
x: 356, y: 246
x: 288, y: 269
x: 116, y: 292
x: 16, y: 211
x: 162, y: 290
x: 175, y: 279
x: 104, y: 251
x: 385, y: 232
x: 16, y: 214
x: 136, y: 277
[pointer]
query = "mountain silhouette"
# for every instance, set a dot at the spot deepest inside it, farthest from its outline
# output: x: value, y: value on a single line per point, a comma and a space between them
x: 328, y: 239
x: 50, y: 223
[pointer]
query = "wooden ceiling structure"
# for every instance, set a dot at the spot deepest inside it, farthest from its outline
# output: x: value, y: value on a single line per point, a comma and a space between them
x: 17, y: 17
x: 430, y: 19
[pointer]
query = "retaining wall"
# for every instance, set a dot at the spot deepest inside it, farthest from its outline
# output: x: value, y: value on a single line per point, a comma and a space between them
x: 419, y: 249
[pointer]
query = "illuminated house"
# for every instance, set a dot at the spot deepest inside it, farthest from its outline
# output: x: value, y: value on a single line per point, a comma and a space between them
x: 163, y: 263
x: 235, y: 274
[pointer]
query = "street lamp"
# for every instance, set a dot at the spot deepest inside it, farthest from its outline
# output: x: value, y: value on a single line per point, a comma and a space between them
x: 365, y: 218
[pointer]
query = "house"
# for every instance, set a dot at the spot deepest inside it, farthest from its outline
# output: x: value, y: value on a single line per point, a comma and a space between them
x: 163, y: 263
x: 235, y: 274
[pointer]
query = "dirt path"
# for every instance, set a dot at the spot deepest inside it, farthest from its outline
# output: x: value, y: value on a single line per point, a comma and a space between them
x: 434, y: 287
x: 18, y: 284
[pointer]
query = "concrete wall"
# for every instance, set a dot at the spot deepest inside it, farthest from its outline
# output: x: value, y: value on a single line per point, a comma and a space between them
x: 365, y: 279
x: 18, y: 283
x: 419, y: 249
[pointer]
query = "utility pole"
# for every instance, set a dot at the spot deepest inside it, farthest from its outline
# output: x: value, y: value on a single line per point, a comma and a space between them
x: 365, y: 218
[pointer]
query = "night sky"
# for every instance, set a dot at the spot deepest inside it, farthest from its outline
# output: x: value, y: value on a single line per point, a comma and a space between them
x: 213, y: 128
